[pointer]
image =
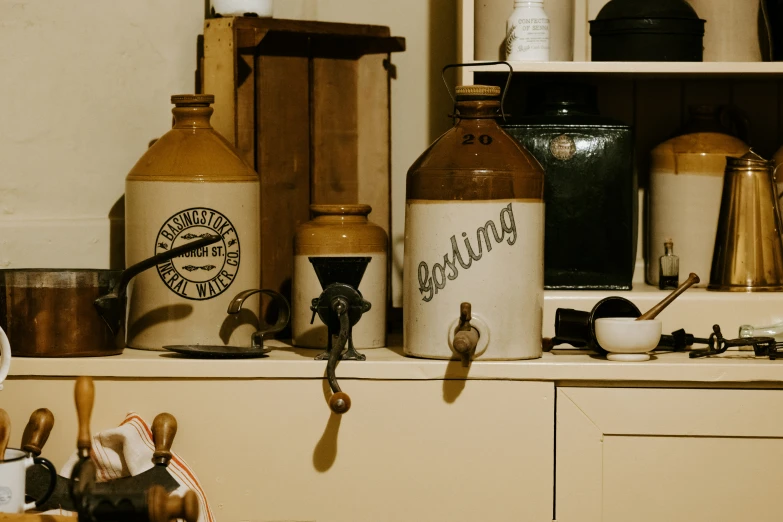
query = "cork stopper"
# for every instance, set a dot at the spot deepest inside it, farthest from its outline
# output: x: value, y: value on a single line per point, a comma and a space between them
x: 477, y: 91
x: 185, y: 100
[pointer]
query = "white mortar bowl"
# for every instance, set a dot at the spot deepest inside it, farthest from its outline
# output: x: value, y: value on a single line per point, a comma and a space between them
x: 627, y: 339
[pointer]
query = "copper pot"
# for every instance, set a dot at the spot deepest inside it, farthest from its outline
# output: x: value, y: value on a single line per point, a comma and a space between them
x: 71, y: 313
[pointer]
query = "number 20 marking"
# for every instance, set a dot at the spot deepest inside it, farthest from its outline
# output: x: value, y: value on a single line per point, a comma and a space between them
x: 484, y: 139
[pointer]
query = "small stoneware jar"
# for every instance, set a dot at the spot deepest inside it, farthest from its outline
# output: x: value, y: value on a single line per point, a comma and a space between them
x: 339, y: 231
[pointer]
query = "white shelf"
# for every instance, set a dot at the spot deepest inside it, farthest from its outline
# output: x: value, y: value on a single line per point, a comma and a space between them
x: 285, y: 362
x: 641, y: 68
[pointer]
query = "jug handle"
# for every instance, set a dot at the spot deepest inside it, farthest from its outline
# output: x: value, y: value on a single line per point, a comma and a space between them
x: 479, y: 64
x: 5, y: 357
x: 775, y: 180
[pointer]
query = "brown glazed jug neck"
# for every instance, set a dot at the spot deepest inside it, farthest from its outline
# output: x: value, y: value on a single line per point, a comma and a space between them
x: 337, y: 214
x: 192, y: 116
x: 478, y: 109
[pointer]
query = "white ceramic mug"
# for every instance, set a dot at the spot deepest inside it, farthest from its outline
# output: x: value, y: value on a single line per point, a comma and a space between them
x: 13, y: 473
x: 5, y: 357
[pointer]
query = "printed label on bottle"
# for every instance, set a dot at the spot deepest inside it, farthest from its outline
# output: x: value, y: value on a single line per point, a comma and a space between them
x: 528, y: 39
x: 208, y: 271
x: 562, y: 147
x: 487, y: 253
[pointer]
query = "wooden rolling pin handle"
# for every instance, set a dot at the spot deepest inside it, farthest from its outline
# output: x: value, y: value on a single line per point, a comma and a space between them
x: 164, y: 507
x: 37, y: 431
x: 164, y: 429
x: 5, y: 432
x: 84, y: 394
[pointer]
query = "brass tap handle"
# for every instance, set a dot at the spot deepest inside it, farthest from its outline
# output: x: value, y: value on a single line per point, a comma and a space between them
x: 5, y: 432
x: 164, y: 507
x: 37, y: 431
x: 164, y: 429
x: 84, y: 394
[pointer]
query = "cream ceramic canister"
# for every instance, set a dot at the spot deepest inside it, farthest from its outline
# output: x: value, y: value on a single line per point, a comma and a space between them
x: 189, y: 184
x: 686, y: 182
x: 339, y: 231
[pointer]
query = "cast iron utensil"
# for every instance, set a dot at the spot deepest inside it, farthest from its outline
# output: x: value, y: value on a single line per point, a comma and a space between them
x: 37, y: 482
x: 340, y: 306
x: 5, y: 432
x: 762, y: 346
x: 164, y: 429
x: 256, y: 340
x: 52, y: 313
x: 99, y: 502
x: 653, y: 312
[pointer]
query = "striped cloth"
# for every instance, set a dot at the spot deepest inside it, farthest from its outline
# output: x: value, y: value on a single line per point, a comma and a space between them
x: 127, y: 451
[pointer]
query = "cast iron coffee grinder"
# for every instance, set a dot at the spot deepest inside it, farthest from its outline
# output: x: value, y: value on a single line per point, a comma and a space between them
x: 340, y: 306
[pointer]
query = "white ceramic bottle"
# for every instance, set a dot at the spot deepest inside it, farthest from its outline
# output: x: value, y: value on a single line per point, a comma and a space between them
x: 527, y: 32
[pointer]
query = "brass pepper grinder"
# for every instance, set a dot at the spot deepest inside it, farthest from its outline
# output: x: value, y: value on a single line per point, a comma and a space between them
x: 748, y: 254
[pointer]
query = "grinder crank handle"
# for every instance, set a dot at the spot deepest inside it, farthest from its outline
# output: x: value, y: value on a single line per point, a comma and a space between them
x: 163, y: 507
x: 164, y: 429
x: 37, y: 431
x: 5, y: 432
x: 339, y: 402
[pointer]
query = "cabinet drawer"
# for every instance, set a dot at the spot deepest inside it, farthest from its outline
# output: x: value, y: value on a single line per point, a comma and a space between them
x: 668, y: 454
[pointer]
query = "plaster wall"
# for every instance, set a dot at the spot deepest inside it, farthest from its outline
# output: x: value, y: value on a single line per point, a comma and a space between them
x: 86, y: 86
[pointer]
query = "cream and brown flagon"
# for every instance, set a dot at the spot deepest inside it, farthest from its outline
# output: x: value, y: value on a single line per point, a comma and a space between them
x: 189, y: 184
x: 474, y: 230
x: 340, y: 231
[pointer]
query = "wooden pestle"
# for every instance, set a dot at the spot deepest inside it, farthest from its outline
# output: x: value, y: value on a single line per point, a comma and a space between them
x: 84, y: 395
x: 164, y: 429
x: 5, y: 432
x: 666, y: 301
x: 37, y: 431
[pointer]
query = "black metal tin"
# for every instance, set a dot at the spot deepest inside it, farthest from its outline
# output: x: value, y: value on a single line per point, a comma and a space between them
x: 590, y: 188
x: 647, y: 30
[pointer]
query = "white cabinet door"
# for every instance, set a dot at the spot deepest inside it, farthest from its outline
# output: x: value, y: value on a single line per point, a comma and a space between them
x: 678, y: 455
x: 269, y: 450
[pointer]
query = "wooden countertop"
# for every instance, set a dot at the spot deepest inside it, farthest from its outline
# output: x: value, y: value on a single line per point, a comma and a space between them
x: 286, y: 362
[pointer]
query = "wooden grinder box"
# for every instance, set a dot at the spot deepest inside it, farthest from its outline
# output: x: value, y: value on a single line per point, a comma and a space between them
x: 307, y: 104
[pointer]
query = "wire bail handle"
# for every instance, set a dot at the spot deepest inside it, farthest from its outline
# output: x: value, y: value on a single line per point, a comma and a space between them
x: 479, y: 64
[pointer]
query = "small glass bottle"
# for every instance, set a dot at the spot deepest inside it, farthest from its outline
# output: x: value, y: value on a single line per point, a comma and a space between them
x: 775, y: 330
x: 669, y: 268
x: 527, y: 32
